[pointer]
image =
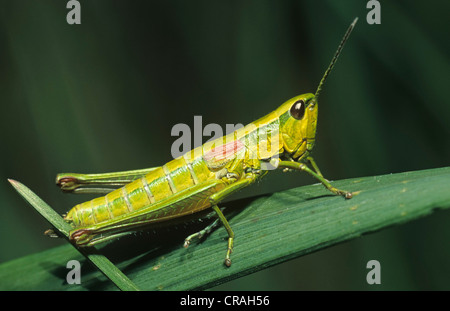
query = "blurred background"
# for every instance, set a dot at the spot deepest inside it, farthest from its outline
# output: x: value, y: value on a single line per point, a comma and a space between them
x: 103, y: 96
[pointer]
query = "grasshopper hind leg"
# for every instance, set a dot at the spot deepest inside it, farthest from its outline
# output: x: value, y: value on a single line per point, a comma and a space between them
x: 98, y: 183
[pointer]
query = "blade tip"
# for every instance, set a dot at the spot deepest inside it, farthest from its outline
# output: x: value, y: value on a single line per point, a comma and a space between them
x: 13, y: 182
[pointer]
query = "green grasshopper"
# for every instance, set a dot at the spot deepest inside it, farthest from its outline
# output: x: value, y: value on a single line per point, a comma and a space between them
x: 201, y: 178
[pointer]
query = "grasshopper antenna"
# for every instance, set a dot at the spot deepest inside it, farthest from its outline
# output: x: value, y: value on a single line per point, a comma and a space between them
x: 335, y: 57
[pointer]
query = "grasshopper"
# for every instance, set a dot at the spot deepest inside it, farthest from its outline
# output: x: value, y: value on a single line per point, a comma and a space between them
x: 201, y: 178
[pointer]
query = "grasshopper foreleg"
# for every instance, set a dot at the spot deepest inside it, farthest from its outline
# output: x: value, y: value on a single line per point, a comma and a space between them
x: 314, y: 165
x: 316, y: 174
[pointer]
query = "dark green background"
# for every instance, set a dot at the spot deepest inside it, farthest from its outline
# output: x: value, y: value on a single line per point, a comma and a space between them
x: 103, y: 96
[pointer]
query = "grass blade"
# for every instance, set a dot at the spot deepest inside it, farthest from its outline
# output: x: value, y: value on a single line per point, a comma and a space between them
x: 100, y: 261
x: 269, y: 229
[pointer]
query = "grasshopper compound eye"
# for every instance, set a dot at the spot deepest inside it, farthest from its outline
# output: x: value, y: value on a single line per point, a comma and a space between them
x: 298, y: 109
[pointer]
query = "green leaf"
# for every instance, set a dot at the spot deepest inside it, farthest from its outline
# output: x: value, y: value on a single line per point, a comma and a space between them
x: 269, y: 229
x: 100, y: 261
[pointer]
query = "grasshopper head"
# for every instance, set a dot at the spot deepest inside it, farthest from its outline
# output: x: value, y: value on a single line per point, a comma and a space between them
x: 298, y: 122
x: 298, y: 116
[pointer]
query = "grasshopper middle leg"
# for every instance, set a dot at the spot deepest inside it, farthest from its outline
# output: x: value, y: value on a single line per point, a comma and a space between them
x: 200, y: 234
x: 215, y: 199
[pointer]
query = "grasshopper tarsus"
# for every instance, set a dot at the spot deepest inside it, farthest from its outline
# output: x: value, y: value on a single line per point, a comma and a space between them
x: 51, y: 233
x: 67, y: 184
x: 186, y: 243
x: 346, y: 194
x: 227, y: 262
